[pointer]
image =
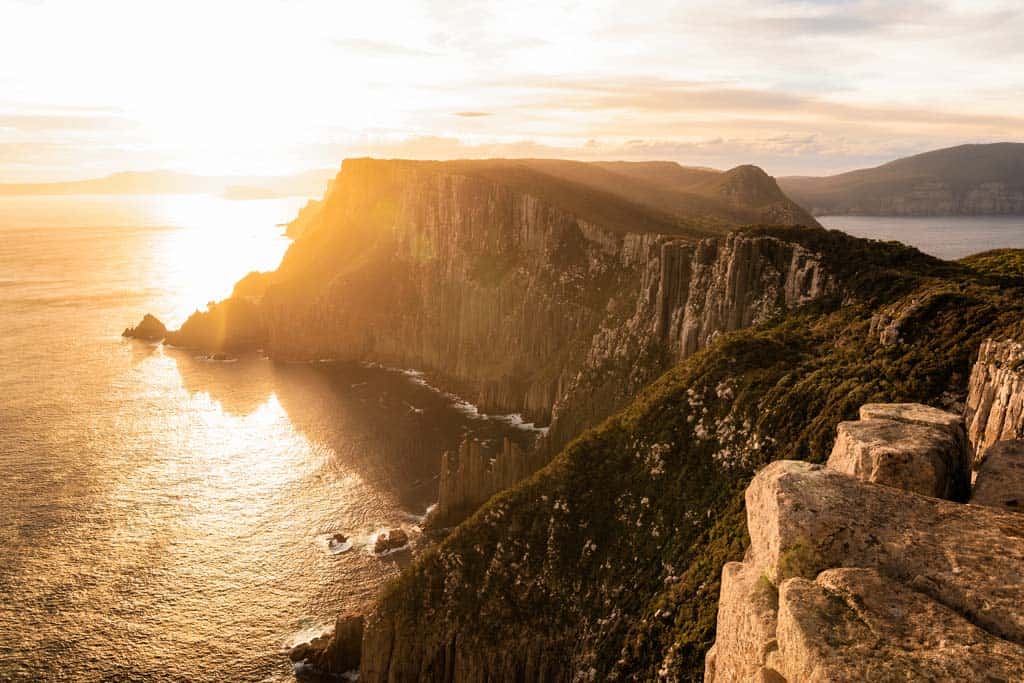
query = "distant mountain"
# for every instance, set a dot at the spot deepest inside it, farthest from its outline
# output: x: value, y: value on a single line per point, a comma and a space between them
x: 969, y: 180
x: 308, y: 183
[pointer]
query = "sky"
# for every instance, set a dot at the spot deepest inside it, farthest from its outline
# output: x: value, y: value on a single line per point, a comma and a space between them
x: 270, y: 87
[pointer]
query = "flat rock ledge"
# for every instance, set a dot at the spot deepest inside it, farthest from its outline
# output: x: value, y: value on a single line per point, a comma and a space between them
x: 849, y: 579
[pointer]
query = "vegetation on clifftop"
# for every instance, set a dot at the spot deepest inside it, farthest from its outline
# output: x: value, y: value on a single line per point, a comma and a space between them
x: 606, y: 563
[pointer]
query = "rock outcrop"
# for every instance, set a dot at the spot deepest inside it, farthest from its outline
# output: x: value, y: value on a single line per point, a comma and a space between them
x: 332, y: 654
x: 995, y: 399
x: 847, y: 579
x: 148, y: 329
x: 389, y: 541
x: 470, y: 476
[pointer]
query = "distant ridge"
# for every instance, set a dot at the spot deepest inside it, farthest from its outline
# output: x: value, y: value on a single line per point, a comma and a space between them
x: 307, y: 183
x: 968, y: 180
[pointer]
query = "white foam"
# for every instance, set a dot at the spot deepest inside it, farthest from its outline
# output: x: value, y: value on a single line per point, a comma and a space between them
x: 337, y: 548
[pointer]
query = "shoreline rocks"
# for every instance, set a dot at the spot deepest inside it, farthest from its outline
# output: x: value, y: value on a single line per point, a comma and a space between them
x: 390, y: 541
x: 335, y: 653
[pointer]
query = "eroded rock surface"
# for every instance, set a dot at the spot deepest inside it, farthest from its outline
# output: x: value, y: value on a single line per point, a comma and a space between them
x: 858, y: 625
x: 1000, y: 481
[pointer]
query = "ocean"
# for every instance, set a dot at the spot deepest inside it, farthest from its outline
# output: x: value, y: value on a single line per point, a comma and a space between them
x: 948, y: 237
x: 168, y: 518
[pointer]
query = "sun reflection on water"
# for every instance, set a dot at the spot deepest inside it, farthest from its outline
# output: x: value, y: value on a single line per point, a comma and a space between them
x: 221, y: 242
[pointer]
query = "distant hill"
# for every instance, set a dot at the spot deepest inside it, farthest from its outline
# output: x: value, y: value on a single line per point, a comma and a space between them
x: 970, y: 180
x: 308, y: 183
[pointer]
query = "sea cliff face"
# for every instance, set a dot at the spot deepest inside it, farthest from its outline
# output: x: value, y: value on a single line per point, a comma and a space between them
x: 511, y: 295
x: 995, y: 402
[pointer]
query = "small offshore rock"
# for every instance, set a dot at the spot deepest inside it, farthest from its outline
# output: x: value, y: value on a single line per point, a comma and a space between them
x: 149, y: 329
x: 390, y: 540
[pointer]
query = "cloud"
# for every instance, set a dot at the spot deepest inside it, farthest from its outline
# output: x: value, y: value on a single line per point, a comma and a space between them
x: 33, y: 123
x: 362, y: 46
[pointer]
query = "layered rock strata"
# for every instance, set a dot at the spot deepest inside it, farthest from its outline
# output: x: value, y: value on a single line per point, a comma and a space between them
x: 995, y: 399
x: 848, y: 579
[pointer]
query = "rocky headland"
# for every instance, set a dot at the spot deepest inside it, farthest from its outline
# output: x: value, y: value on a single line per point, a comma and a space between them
x: 969, y: 180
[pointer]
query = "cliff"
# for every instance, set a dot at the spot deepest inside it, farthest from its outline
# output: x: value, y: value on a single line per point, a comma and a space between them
x: 551, y: 289
x: 607, y: 563
x: 853, y: 575
x: 971, y: 180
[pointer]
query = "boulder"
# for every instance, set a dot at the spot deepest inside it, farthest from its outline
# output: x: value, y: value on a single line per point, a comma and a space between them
x: 149, y: 329
x: 918, y: 456
x: 1000, y: 480
x: 335, y: 653
x: 857, y: 625
x: 390, y: 540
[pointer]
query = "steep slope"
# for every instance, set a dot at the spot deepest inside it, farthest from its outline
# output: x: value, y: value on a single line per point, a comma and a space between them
x: 605, y: 565
x: 964, y: 180
x: 524, y: 291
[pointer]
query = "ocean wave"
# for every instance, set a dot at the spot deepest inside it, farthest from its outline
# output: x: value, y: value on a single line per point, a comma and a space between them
x: 470, y: 410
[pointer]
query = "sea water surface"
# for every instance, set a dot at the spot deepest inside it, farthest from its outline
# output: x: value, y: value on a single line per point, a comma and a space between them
x: 166, y: 518
x: 948, y: 237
